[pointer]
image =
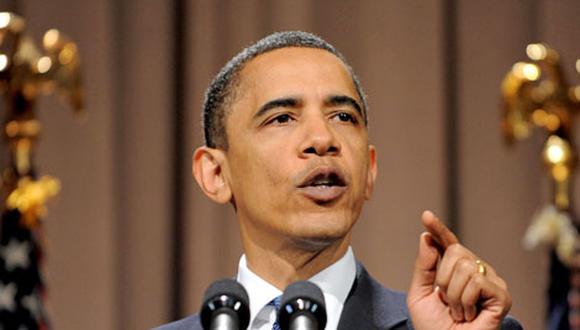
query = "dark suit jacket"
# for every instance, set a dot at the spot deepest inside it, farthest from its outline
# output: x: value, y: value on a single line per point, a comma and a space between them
x: 369, y: 306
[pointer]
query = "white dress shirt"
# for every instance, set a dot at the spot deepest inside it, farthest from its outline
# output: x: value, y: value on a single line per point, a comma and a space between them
x: 335, y: 281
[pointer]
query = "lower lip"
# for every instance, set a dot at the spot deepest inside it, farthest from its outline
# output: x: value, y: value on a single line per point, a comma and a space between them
x: 323, y: 194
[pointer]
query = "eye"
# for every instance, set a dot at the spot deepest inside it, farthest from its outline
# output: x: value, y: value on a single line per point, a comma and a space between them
x: 281, y: 119
x: 346, y: 117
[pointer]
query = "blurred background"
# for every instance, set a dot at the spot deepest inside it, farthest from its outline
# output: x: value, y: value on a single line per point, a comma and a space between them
x: 131, y: 241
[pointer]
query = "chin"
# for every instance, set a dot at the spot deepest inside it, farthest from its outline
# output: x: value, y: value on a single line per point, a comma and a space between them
x: 314, y: 244
x: 316, y: 235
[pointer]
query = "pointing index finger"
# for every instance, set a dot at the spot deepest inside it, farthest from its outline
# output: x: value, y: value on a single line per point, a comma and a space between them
x: 440, y: 232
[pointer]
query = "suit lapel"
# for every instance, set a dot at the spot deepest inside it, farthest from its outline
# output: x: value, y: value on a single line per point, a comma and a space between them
x: 371, y: 306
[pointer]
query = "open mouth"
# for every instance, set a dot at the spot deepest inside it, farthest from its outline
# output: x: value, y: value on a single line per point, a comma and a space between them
x: 324, y: 179
x: 323, y: 185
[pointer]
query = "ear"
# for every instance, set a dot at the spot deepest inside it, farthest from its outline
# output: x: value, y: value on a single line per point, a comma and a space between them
x: 372, y: 172
x: 208, y: 169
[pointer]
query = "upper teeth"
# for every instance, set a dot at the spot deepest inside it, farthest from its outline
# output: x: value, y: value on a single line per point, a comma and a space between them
x: 323, y: 183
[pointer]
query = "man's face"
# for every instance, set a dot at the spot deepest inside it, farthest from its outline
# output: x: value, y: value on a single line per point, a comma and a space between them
x: 299, y: 163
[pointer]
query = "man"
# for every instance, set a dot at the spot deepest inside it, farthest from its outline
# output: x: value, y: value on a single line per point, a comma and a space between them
x: 287, y: 145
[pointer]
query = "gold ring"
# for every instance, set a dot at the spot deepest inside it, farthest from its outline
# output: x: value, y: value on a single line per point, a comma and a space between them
x: 481, y: 267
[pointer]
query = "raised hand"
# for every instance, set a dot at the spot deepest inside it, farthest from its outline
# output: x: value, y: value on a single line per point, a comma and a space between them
x: 451, y: 287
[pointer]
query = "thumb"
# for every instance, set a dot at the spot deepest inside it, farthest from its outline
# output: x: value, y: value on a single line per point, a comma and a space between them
x: 425, y: 268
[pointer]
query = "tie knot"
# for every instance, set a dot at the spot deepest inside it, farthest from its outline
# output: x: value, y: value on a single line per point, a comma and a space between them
x: 276, y: 303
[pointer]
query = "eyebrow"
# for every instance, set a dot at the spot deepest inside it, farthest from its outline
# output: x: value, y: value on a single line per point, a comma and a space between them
x: 335, y: 100
x: 285, y: 102
x: 293, y: 102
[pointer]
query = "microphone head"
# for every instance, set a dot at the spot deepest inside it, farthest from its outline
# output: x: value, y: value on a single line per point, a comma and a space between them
x: 225, y: 296
x: 302, y: 298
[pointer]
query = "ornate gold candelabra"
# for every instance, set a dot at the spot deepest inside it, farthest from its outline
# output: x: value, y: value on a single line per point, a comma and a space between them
x: 537, y: 95
x: 25, y: 73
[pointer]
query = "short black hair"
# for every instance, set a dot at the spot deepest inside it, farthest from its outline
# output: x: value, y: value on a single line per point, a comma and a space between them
x: 221, y: 92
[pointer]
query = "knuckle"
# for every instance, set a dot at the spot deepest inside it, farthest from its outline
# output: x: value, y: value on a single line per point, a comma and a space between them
x: 506, y: 298
x: 502, y: 284
x: 455, y: 249
x: 479, y: 280
x: 465, y: 266
x: 508, y: 302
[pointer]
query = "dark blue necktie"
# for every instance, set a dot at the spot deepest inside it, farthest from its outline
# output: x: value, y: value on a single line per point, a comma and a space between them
x: 276, y: 303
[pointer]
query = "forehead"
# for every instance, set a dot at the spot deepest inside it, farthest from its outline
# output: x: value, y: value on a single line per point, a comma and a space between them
x: 296, y: 70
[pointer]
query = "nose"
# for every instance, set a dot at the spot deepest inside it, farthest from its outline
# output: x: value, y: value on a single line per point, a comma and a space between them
x: 319, y: 139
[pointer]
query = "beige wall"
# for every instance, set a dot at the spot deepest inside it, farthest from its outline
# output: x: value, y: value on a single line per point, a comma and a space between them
x: 81, y: 227
x: 500, y: 188
x: 109, y: 232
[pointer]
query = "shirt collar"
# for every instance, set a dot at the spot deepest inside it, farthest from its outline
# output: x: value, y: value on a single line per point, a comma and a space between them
x: 259, y: 291
x: 335, y: 281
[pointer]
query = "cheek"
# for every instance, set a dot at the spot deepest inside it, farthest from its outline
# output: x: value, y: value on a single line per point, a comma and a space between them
x: 259, y: 171
x: 268, y: 174
x: 277, y: 171
x: 358, y: 160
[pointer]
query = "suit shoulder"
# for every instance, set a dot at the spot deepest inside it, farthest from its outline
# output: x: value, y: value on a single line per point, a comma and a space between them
x: 399, y: 298
x: 381, y: 295
x: 370, y: 305
x: 189, y: 323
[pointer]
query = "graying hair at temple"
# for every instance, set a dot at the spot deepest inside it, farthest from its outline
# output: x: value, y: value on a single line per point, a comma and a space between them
x: 222, y: 91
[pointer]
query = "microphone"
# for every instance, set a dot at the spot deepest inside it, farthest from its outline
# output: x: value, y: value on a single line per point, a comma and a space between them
x: 302, y: 307
x: 225, y: 306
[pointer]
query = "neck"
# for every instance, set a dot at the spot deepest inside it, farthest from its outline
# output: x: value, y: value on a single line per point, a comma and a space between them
x: 289, y: 262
